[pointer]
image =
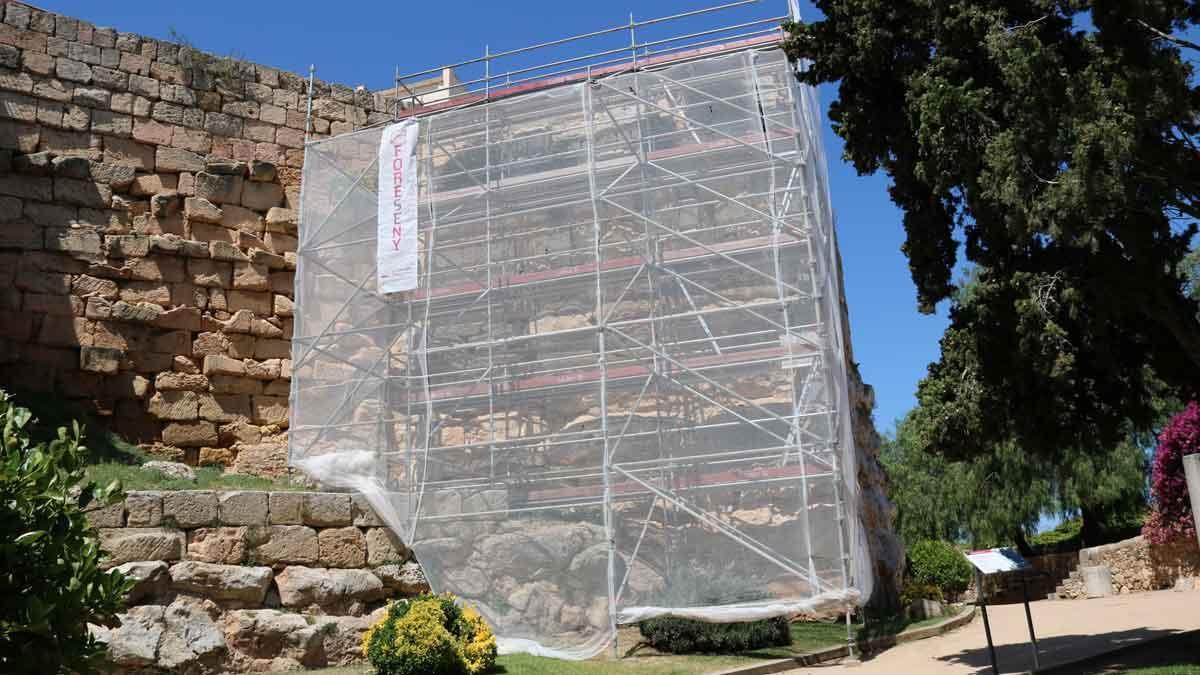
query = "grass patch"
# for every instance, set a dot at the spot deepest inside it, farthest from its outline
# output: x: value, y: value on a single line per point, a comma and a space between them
x: 51, y: 412
x: 1183, y: 669
x: 207, y: 478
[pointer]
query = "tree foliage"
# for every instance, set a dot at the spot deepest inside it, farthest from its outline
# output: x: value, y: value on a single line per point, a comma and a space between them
x: 51, y: 584
x: 1171, y: 518
x: 999, y: 496
x: 1053, y: 142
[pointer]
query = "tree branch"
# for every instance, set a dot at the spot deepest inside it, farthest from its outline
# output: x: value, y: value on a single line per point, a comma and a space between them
x: 1170, y: 38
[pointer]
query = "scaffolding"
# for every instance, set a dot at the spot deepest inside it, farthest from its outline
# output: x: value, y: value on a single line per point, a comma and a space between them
x: 619, y: 391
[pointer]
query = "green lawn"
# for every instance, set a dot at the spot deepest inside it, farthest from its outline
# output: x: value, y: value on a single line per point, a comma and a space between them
x: 1165, y: 670
x: 134, y: 477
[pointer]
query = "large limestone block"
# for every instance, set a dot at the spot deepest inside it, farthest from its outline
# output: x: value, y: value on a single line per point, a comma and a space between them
x: 288, y: 545
x: 326, y: 509
x: 384, y: 547
x: 190, y: 508
x: 149, y: 576
x: 243, y: 508
x: 191, y: 641
x: 406, y: 579
x: 271, y: 634
x: 332, y: 588
x: 143, y: 508
x: 286, y: 508
x: 236, y: 583
x: 226, y: 545
x: 130, y: 544
x: 135, y: 642
x: 342, y: 547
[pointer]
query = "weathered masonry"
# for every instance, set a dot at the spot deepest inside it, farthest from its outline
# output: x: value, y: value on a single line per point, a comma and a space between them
x: 147, y: 230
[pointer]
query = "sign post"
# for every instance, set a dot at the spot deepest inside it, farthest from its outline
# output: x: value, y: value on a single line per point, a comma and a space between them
x: 1191, y: 470
x: 995, y: 561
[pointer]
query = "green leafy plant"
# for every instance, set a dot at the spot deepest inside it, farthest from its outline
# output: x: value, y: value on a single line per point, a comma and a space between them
x: 52, y: 585
x: 688, y: 636
x: 940, y: 564
x: 430, y: 635
x: 917, y: 591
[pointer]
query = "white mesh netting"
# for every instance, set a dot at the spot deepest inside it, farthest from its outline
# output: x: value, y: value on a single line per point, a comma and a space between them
x: 619, y: 391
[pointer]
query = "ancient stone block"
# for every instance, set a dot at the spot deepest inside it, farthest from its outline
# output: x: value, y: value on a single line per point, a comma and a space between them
x: 384, y: 547
x: 216, y: 364
x: 82, y: 192
x: 89, y: 286
x: 112, y: 515
x: 224, y: 250
x: 74, y: 71
x: 100, y: 360
x: 326, y: 509
x: 341, y: 547
x: 180, y: 382
x: 242, y: 219
x: 259, y: 303
x: 224, y: 545
x: 224, y: 408
x: 406, y: 579
x: 227, y: 384
x: 190, y: 435
x: 210, y: 273
x: 219, y: 188
x: 285, y: 508
x: 303, y: 587
x: 273, y: 349
x: 362, y: 513
x: 143, y: 508
x: 152, y: 131
x: 269, y: 410
x: 128, y: 152
x: 222, y: 582
x: 288, y: 545
x: 132, y: 544
x: 190, y: 508
x: 244, y: 508
x: 174, y: 405
x: 175, y: 160
x: 250, y: 277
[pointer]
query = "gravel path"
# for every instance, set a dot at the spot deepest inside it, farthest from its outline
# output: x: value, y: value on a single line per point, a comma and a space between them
x: 1067, y: 630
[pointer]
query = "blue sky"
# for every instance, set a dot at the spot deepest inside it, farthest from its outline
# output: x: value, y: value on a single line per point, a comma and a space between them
x: 364, y: 41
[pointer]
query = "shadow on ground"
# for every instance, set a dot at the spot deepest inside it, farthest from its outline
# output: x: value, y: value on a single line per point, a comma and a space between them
x: 1055, y: 650
x: 1178, y: 649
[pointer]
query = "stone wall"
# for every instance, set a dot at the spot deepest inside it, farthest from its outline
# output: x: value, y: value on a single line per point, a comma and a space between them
x: 148, y: 198
x: 237, y: 581
x: 1137, y: 566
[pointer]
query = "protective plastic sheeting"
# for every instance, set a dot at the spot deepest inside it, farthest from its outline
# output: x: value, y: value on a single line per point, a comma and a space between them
x: 619, y: 391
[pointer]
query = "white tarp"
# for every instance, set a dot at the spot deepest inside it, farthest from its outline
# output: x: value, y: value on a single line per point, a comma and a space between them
x: 396, y: 255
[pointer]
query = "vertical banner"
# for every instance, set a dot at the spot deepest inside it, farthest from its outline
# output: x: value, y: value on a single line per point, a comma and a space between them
x: 396, y: 255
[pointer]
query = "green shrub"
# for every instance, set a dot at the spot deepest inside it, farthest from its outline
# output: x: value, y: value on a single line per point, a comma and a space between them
x: 688, y: 636
x: 939, y: 563
x: 430, y: 635
x: 51, y: 582
x: 917, y: 591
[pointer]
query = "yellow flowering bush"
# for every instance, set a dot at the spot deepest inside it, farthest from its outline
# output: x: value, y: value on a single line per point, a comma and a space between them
x: 430, y: 635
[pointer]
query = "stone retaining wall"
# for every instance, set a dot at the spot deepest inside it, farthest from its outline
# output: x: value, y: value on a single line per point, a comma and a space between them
x: 1137, y: 566
x: 237, y: 581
